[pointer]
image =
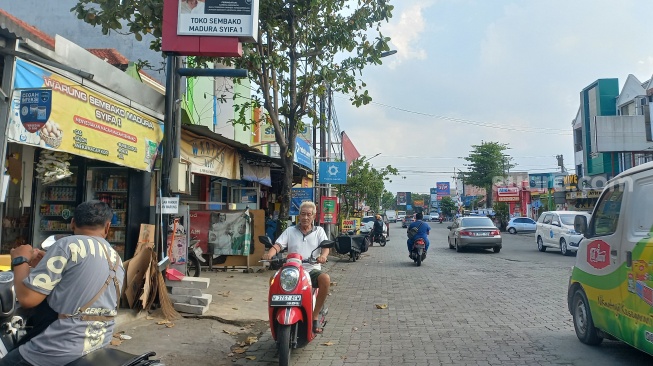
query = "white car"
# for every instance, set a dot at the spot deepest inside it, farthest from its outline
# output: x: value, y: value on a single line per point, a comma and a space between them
x: 426, y: 217
x: 555, y: 229
x: 521, y: 224
x: 435, y: 216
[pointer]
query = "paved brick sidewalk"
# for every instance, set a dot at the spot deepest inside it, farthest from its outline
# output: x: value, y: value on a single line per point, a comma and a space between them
x: 457, y: 309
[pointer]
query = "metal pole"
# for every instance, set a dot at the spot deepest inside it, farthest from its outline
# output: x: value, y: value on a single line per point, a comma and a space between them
x: 323, y: 152
x: 5, y: 110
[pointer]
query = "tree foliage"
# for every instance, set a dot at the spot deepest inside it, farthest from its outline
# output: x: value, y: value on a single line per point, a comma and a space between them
x: 388, y: 200
x: 365, y: 184
x: 305, y: 48
x: 447, y: 205
x: 502, y: 212
x: 487, y: 163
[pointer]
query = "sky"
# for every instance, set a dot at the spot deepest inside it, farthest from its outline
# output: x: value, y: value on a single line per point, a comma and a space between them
x: 468, y: 71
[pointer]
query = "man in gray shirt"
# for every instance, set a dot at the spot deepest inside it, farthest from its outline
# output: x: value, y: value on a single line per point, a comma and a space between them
x: 79, y: 278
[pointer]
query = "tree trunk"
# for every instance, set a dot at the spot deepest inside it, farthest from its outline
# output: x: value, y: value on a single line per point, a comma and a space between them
x: 286, y: 186
x: 488, y: 197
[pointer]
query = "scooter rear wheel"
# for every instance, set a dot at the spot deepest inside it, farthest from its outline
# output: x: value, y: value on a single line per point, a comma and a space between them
x: 382, y: 241
x: 193, y: 266
x: 283, y: 344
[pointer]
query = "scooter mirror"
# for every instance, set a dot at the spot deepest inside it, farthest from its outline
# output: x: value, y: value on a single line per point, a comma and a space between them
x: 265, y: 241
x: 327, y: 244
x: 50, y: 240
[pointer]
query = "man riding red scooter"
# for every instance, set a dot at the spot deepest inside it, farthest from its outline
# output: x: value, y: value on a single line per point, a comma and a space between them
x: 299, y: 289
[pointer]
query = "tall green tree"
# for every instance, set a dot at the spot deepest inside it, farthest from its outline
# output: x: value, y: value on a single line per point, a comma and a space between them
x: 388, y: 200
x: 487, y: 165
x: 365, y: 184
x: 305, y: 48
x: 447, y: 206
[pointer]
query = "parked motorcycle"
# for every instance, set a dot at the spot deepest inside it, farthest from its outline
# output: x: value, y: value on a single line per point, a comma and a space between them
x: 352, y: 244
x: 195, y: 258
x: 291, y: 301
x: 13, y: 327
x: 419, y: 251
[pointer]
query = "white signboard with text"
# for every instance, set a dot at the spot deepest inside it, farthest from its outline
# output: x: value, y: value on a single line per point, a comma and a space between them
x: 224, y: 18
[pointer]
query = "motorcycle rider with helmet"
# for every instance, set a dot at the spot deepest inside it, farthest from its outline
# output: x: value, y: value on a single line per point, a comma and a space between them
x: 377, y: 230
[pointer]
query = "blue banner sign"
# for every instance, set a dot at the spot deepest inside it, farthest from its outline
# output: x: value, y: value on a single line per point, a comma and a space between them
x: 333, y: 172
x: 304, y: 154
x: 35, y: 108
x: 297, y: 196
x: 443, y: 189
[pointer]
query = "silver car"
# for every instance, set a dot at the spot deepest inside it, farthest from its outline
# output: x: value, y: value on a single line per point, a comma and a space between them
x: 474, y: 232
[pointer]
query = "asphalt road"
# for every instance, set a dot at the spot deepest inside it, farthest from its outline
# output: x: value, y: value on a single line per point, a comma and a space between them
x: 471, y: 308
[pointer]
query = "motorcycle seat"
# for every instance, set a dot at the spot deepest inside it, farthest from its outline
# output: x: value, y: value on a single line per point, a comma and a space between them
x: 111, y: 357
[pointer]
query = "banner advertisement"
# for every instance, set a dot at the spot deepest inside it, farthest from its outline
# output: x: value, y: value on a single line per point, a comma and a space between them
x: 418, y: 203
x: 230, y: 233
x: 297, y: 196
x: 225, y: 18
x: 401, y: 198
x: 209, y: 157
x: 434, y: 196
x: 81, y: 121
x: 177, y: 242
x: 508, y: 199
x: 443, y: 189
x: 329, y: 211
x: 333, y: 172
x: 350, y: 224
x: 267, y: 132
x: 304, y: 154
x: 508, y: 191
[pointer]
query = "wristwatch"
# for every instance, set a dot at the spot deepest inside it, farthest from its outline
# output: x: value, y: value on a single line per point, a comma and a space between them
x: 18, y: 261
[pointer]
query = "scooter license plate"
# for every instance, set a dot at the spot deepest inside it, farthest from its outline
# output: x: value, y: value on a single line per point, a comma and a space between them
x: 286, y: 300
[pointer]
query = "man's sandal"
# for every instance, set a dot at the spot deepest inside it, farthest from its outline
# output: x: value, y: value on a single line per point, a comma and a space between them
x: 316, y: 328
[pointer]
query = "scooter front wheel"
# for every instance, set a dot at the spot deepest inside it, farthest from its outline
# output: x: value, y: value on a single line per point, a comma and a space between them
x: 283, y: 344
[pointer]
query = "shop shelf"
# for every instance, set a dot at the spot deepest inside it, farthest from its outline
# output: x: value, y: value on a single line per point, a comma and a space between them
x: 112, y: 191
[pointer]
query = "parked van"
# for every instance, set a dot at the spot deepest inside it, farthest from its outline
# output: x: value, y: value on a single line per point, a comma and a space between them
x: 610, y: 292
x: 391, y: 215
x: 555, y: 229
x: 401, y: 215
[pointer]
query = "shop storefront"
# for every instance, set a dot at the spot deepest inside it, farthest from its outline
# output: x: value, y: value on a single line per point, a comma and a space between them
x: 518, y: 199
x: 85, y: 143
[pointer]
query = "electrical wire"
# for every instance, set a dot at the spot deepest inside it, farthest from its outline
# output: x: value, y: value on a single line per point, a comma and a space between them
x: 472, y: 122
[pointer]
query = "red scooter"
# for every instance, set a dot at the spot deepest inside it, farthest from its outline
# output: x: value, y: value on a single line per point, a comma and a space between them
x: 291, y: 301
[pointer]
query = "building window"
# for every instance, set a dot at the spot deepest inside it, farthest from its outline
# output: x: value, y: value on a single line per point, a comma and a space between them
x: 578, y: 139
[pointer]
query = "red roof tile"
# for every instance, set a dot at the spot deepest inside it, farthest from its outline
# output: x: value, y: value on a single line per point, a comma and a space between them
x: 110, y: 55
x: 45, y: 39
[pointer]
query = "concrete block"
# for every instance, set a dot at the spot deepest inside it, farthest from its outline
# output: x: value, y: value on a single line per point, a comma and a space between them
x: 190, y: 282
x: 191, y: 309
x: 185, y: 291
x: 202, y: 300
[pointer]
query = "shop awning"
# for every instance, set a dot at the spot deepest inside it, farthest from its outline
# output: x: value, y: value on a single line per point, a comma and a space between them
x: 208, y: 156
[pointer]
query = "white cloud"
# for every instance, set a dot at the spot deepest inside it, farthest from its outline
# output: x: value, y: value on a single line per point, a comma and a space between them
x: 513, y: 64
x: 405, y: 33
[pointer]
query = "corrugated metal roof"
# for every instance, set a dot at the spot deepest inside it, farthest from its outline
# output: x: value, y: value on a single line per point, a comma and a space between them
x: 12, y: 27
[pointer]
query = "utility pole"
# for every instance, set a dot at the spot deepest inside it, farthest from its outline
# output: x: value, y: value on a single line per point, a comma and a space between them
x: 561, y: 163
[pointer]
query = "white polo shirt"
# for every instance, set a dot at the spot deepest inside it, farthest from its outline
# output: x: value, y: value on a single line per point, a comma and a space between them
x: 296, y: 242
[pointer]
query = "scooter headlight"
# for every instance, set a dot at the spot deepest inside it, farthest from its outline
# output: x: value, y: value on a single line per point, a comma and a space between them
x: 289, y: 279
